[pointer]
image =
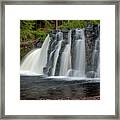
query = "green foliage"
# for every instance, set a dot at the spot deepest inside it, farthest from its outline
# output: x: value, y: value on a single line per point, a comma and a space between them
x: 77, y: 23
x: 27, y: 24
x: 40, y: 34
x: 48, y: 24
x: 26, y: 29
x: 72, y: 24
x: 24, y: 50
x: 94, y: 22
x: 30, y: 30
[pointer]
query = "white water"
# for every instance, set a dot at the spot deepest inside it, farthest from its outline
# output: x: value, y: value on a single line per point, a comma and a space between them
x: 36, y: 60
x: 72, y: 78
x: 98, y: 68
x: 65, y: 61
x: 29, y: 60
x: 96, y: 57
x: 80, y: 56
x: 56, y: 57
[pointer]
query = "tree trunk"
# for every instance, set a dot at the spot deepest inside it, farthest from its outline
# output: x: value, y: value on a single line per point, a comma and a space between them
x: 56, y: 24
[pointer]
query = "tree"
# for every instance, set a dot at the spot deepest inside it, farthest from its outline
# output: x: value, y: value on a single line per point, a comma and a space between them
x: 30, y: 30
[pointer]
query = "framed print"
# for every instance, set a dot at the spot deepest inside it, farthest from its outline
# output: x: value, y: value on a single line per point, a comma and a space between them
x: 60, y: 59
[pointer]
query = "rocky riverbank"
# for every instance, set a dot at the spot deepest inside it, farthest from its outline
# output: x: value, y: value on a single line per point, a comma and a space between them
x: 36, y: 88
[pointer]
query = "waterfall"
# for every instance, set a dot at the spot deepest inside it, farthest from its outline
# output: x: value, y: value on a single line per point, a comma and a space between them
x: 65, y: 61
x: 98, y: 69
x: 36, y: 60
x: 29, y: 60
x: 56, y: 57
x: 41, y: 62
x: 79, y: 65
x: 72, y: 53
x: 95, y: 58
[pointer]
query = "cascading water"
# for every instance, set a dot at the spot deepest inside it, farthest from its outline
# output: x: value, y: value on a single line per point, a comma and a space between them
x: 65, y: 61
x: 79, y: 65
x: 56, y: 55
x: 70, y: 53
x: 27, y: 64
x: 36, y: 60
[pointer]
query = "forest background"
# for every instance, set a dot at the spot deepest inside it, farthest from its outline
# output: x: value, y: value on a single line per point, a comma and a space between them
x: 34, y: 32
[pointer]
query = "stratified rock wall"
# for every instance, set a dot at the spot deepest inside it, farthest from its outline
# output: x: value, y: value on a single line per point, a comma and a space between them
x: 58, y: 41
x: 92, y: 44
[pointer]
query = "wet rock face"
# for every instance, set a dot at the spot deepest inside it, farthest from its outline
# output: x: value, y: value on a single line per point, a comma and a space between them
x: 91, y: 35
x: 55, y: 37
x: 63, y: 44
x: 73, y: 37
x: 60, y: 38
x: 50, y: 57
